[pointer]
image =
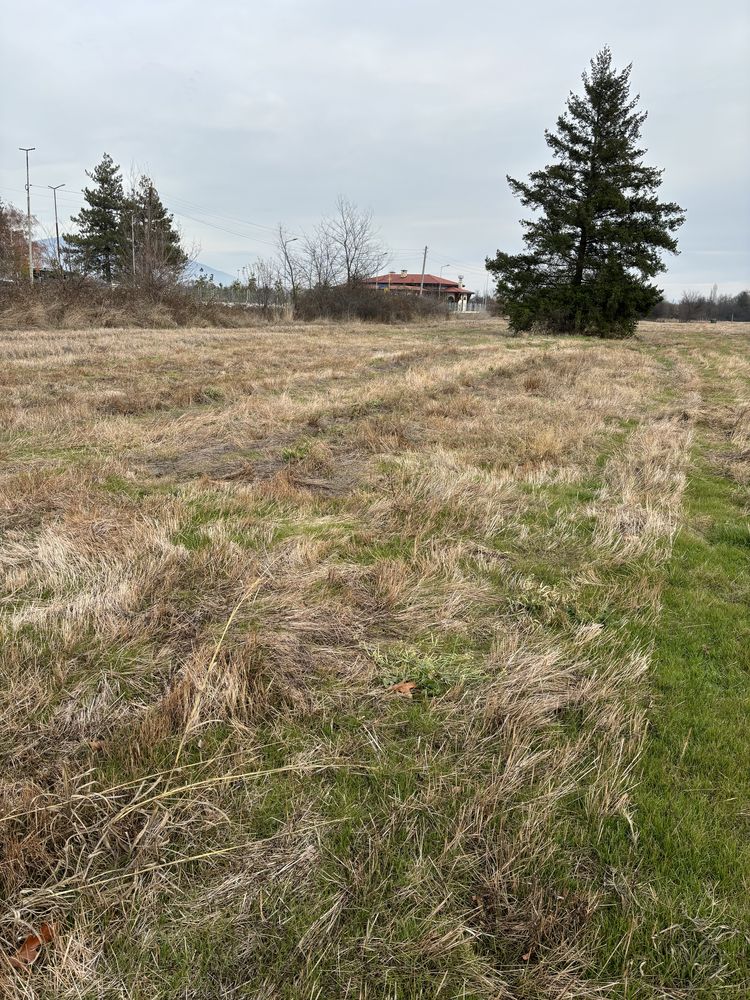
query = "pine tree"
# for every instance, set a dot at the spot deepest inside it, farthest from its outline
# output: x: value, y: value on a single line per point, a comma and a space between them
x: 599, y: 230
x: 159, y: 256
x: 100, y: 245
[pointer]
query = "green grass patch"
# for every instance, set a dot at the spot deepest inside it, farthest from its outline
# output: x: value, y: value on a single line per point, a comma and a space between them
x: 296, y: 452
x: 691, y: 806
x: 434, y: 668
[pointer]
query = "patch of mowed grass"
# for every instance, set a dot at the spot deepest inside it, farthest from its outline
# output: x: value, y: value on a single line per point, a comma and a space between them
x: 361, y: 547
x: 74, y: 455
x: 386, y: 809
x: 434, y: 666
x: 392, y: 821
x: 692, y: 854
x: 132, y: 489
x: 296, y: 452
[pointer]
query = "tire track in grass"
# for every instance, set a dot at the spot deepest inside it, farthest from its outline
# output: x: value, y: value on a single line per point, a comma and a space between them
x: 684, y: 928
x: 693, y: 802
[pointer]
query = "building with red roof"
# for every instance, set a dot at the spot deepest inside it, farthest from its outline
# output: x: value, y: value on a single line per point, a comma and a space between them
x: 440, y: 288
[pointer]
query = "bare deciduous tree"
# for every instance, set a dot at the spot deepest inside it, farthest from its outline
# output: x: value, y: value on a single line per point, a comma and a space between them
x: 692, y: 306
x: 342, y: 250
x: 267, y: 286
x: 321, y: 259
x: 354, y: 241
x: 14, y: 244
x: 292, y: 263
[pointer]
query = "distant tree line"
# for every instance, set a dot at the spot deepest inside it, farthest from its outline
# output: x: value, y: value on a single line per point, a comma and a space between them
x: 708, y: 308
x: 124, y: 236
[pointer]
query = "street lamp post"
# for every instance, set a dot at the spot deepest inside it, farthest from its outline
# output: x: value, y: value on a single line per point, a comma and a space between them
x: 288, y: 263
x: 54, y: 188
x: 27, y: 150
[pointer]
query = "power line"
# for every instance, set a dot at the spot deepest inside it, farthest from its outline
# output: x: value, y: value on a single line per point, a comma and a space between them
x: 396, y: 253
x: 475, y: 265
x: 223, y: 229
x: 41, y: 192
x: 219, y: 215
x: 73, y: 191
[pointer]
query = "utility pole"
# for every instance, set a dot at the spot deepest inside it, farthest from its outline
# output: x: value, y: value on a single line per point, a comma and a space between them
x: 440, y: 286
x: 57, y: 227
x: 132, y: 241
x: 27, y: 150
x: 283, y: 245
x: 424, y: 265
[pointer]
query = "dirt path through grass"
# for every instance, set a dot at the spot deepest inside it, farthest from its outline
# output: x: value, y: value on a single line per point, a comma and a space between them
x: 693, y: 800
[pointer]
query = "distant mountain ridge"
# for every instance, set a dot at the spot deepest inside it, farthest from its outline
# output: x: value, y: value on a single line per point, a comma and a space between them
x: 194, y: 269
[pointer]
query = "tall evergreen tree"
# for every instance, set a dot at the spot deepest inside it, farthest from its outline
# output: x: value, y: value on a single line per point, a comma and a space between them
x: 159, y: 256
x: 599, y: 230
x: 100, y: 245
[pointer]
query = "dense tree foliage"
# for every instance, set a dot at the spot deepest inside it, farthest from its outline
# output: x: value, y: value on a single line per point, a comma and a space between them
x: 158, y: 255
x: 124, y: 236
x: 599, y: 230
x: 99, y: 246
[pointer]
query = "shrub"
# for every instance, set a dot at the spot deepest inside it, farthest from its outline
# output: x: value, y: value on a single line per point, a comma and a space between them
x: 357, y: 301
x: 72, y: 300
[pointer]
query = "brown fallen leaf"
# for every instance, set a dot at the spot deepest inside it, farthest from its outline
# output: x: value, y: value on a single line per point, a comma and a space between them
x: 28, y: 952
x: 404, y: 687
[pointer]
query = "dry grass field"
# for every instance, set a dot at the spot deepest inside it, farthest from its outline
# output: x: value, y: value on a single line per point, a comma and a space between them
x: 374, y: 662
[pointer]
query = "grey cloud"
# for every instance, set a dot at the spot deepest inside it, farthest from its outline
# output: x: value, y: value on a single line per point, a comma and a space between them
x: 265, y: 112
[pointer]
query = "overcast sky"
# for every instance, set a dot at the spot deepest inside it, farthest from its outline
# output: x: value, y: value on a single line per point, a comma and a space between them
x: 263, y: 112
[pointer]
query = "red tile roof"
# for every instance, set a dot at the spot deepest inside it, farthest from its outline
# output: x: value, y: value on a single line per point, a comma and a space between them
x: 396, y: 278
